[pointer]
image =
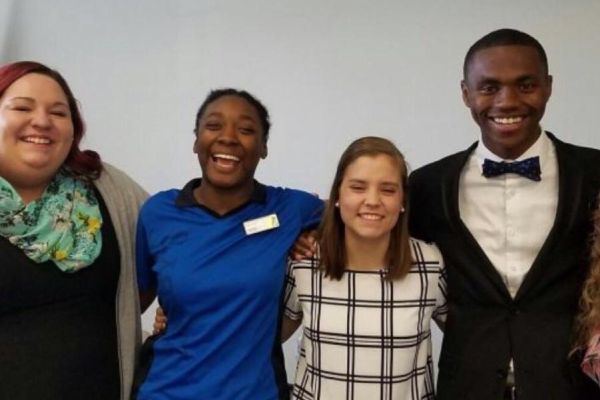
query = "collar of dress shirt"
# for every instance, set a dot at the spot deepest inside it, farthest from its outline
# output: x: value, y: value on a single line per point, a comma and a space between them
x: 541, y: 148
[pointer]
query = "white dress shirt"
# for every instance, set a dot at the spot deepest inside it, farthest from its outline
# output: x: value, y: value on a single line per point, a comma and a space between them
x: 510, y: 216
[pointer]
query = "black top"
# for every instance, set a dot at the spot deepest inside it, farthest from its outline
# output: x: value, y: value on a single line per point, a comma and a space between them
x: 58, y: 334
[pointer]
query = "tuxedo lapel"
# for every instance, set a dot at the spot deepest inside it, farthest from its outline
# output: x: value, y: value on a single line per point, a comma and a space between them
x: 570, y: 186
x: 450, y: 194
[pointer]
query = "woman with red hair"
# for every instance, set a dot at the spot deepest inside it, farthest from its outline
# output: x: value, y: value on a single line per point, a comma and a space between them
x: 68, y: 300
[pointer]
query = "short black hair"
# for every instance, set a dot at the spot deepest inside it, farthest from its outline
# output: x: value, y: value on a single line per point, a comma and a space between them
x: 216, y: 94
x: 505, y: 37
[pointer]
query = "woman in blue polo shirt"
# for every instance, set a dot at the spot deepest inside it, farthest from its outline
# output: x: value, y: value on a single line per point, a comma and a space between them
x: 215, y: 253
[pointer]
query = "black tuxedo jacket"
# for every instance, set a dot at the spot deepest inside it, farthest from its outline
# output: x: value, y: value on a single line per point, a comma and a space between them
x: 486, y: 327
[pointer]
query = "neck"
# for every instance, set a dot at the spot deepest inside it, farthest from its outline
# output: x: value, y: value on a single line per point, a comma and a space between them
x: 29, y: 184
x: 29, y: 192
x: 223, y: 200
x: 366, y: 255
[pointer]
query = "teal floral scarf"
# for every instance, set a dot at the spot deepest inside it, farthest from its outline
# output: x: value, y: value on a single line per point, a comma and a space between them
x: 63, y: 225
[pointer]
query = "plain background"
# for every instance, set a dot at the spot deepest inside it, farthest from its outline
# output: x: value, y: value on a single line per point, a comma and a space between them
x: 328, y: 71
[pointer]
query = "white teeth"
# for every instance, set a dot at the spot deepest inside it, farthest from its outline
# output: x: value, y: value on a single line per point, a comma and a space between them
x: 36, y: 140
x: 226, y: 157
x: 372, y: 217
x: 507, y: 120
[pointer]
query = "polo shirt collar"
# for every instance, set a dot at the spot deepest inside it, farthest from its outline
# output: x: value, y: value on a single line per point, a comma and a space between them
x: 186, y: 198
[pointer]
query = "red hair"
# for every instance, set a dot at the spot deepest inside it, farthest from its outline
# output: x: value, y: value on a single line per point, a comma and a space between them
x: 85, y: 163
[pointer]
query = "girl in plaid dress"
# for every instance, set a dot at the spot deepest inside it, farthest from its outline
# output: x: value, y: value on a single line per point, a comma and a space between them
x: 366, y: 300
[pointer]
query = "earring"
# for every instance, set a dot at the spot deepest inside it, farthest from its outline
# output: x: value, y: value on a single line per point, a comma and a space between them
x: 402, y: 210
x: 337, y: 204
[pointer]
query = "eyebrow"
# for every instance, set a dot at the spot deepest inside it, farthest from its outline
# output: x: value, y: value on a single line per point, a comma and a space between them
x: 489, y: 79
x: 220, y: 114
x: 386, y: 183
x: 31, y: 99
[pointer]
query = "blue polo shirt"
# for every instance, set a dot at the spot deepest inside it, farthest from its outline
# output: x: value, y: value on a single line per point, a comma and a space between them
x: 221, y: 289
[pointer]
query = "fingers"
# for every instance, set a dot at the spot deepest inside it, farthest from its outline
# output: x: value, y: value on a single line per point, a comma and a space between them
x: 158, y: 328
x: 160, y: 321
x: 304, y: 247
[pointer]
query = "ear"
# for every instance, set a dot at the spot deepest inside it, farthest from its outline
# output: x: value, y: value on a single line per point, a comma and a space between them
x: 548, y: 87
x: 265, y: 151
x: 196, y: 145
x: 465, y: 93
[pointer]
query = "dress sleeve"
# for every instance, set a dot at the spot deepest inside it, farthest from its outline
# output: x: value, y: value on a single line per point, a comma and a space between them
x: 292, y: 308
x: 144, y: 261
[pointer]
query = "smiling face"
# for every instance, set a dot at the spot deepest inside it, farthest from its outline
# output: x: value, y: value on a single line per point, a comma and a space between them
x: 229, y: 142
x: 36, y: 131
x: 371, y: 198
x: 507, y: 88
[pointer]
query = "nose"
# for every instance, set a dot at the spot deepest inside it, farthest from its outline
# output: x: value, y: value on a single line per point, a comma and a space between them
x: 228, y: 135
x: 41, y: 119
x: 373, y: 198
x: 507, y: 97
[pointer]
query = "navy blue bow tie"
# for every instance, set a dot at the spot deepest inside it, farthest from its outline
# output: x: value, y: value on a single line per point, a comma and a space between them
x: 529, y: 168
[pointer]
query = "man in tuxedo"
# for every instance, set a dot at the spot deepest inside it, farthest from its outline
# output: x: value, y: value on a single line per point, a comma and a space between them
x: 511, y: 216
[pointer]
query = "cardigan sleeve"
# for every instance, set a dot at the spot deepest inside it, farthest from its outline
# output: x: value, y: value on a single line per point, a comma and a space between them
x: 123, y: 198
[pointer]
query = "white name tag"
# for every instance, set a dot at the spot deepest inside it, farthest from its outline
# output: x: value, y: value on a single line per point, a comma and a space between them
x: 261, y: 224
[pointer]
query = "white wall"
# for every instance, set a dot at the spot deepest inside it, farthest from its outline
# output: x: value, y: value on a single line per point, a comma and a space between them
x: 329, y: 71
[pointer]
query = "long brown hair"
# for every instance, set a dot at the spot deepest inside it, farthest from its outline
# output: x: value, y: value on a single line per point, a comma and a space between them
x: 333, y: 255
x: 589, y: 318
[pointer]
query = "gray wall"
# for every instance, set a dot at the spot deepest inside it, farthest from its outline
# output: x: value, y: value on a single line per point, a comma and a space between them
x: 329, y: 71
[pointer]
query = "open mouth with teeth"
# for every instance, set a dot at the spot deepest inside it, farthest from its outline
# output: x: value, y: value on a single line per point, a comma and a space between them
x: 226, y: 161
x: 507, y: 120
x: 371, y: 217
x: 36, y: 140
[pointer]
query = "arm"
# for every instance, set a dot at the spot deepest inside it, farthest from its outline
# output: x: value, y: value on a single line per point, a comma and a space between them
x: 441, y: 310
x: 160, y: 321
x: 146, y: 278
x: 288, y: 327
x: 305, y: 245
x: 292, y: 309
x: 311, y: 210
x: 418, y: 222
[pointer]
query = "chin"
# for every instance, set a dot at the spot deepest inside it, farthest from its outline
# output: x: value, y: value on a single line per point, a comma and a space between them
x: 43, y: 166
x: 371, y: 236
x: 226, y: 184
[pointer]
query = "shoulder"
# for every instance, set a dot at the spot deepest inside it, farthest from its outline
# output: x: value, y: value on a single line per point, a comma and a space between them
x: 425, y: 251
x: 289, y: 193
x: 110, y: 173
x: 582, y: 153
x: 112, y: 177
x: 307, y: 265
x: 580, y: 161
x: 160, y: 200
x: 296, y: 198
x: 116, y: 186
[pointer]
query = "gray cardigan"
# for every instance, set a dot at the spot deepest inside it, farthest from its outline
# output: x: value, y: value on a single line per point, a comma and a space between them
x: 123, y: 198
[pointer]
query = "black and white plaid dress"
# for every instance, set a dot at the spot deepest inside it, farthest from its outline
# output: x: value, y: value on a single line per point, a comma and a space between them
x: 364, y: 337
